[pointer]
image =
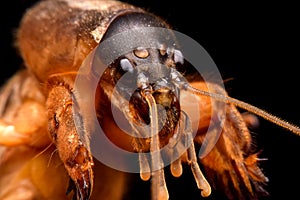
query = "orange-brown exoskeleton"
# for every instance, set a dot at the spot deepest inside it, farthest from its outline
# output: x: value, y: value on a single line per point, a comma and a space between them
x: 46, y: 125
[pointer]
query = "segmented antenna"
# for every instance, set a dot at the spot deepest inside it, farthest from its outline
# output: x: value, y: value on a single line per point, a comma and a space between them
x: 226, y: 99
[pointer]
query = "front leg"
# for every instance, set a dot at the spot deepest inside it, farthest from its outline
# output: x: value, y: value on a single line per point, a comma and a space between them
x: 231, y: 164
x: 74, y: 153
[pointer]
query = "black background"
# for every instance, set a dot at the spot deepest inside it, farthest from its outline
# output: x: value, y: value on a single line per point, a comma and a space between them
x: 256, y: 48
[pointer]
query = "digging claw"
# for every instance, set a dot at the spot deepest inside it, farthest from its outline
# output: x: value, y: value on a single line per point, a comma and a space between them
x: 82, y: 187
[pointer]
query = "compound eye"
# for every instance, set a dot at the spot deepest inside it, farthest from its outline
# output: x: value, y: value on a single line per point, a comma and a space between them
x: 141, y: 53
x: 126, y: 65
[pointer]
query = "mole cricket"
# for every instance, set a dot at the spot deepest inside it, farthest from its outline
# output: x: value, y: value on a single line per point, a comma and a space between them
x: 47, y: 133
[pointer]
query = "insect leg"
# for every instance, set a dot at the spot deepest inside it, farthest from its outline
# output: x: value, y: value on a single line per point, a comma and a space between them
x: 231, y: 164
x: 74, y: 153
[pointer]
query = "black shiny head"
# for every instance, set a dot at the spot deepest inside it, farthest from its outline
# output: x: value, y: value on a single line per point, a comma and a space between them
x: 131, y: 20
x: 146, y: 69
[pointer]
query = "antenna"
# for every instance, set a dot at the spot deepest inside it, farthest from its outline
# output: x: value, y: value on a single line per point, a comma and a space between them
x: 264, y: 114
